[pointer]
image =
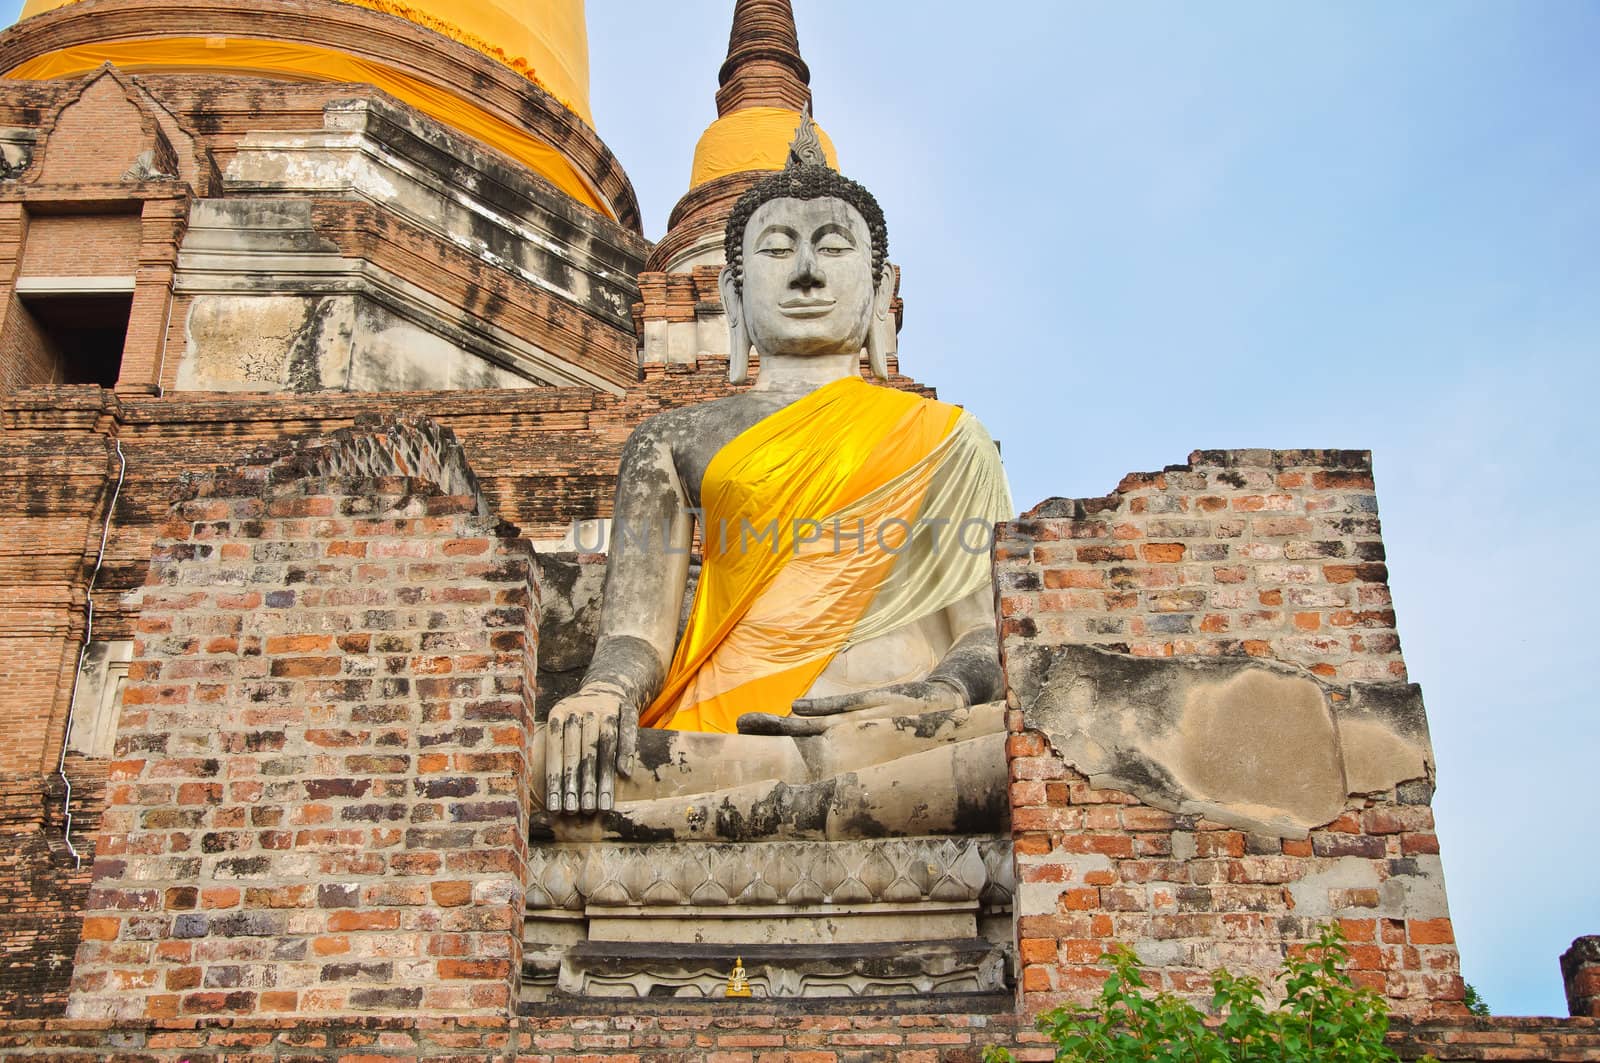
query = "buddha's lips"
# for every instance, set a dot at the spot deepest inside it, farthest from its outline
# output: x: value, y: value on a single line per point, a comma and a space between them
x: 806, y: 307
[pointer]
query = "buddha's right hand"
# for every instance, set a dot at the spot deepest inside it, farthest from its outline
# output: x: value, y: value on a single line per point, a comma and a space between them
x: 592, y: 735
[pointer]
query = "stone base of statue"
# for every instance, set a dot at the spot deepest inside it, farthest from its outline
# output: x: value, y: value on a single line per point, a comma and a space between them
x: 809, y: 918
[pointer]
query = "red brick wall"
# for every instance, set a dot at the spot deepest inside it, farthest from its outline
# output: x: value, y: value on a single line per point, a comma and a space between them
x: 319, y: 801
x: 96, y: 137
x: 162, y: 222
x: 721, y: 1031
x: 73, y: 245
x: 42, y: 887
x: 23, y: 363
x: 1580, y: 974
x: 27, y: 357
x: 1272, y: 555
x: 53, y: 495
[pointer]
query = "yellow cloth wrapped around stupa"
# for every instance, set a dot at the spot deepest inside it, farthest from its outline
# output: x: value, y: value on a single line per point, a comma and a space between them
x: 830, y: 522
x: 544, y: 40
x: 752, y: 138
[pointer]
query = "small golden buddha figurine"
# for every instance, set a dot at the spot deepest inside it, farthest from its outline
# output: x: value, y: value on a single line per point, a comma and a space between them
x: 738, y: 984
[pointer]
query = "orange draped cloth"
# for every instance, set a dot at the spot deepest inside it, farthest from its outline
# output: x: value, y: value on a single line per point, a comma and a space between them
x: 545, y: 41
x: 780, y: 593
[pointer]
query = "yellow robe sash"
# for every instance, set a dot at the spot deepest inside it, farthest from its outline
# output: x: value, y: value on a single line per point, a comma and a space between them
x: 778, y: 597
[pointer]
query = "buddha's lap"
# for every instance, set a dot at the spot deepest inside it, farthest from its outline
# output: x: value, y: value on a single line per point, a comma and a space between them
x: 681, y: 763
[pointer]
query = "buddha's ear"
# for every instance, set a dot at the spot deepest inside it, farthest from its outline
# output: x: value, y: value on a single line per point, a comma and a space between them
x: 738, y: 338
x: 882, y: 342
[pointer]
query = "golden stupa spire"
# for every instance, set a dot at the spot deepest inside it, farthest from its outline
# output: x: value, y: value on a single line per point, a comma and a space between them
x: 764, y: 85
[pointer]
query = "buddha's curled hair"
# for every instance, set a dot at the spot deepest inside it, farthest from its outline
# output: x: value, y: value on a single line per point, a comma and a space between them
x: 806, y: 175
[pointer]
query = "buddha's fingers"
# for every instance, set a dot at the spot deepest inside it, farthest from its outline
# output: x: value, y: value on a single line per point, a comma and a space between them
x: 571, y: 750
x: 588, y: 775
x: 606, y: 765
x: 553, y: 744
x: 627, y: 741
x: 766, y: 723
x: 855, y: 701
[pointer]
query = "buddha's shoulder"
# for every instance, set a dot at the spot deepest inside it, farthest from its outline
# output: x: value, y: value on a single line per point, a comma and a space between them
x: 720, y: 418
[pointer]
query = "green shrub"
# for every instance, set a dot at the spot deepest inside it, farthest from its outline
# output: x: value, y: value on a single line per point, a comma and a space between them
x: 1325, y: 1017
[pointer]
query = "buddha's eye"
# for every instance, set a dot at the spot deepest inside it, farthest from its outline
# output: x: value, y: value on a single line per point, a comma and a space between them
x: 775, y: 249
x: 834, y: 247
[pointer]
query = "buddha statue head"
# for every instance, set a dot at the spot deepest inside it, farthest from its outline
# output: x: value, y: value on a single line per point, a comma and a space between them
x: 807, y: 271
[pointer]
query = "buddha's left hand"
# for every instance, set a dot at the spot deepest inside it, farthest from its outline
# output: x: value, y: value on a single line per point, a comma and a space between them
x: 815, y: 715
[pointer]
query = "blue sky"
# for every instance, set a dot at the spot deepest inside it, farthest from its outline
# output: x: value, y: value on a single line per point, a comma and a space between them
x: 1132, y: 230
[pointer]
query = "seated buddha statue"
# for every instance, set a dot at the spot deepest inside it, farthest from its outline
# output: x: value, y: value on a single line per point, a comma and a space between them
x: 838, y: 673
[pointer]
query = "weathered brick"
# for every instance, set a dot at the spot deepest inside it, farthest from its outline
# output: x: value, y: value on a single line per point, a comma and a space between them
x: 1299, y: 571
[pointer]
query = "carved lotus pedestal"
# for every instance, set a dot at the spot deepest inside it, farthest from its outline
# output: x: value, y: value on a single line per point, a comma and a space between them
x: 809, y: 918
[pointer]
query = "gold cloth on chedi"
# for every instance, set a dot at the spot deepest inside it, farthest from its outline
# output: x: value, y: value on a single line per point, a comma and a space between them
x: 545, y: 41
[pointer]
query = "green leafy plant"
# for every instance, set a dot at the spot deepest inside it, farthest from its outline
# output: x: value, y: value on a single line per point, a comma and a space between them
x: 1324, y: 1018
x: 1474, y: 1001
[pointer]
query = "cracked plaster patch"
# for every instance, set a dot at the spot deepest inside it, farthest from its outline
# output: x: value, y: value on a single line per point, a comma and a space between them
x: 1256, y: 745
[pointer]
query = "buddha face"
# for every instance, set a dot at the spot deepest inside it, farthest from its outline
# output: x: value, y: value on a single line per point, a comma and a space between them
x: 808, y: 284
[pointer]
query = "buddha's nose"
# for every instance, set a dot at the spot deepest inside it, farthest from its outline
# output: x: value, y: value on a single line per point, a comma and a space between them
x: 807, y: 273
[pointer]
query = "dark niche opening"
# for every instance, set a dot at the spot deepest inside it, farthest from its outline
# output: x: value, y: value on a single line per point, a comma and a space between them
x: 87, y: 331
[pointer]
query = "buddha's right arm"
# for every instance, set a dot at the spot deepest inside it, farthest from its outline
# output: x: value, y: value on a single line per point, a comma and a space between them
x: 647, y: 568
x: 591, y: 733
